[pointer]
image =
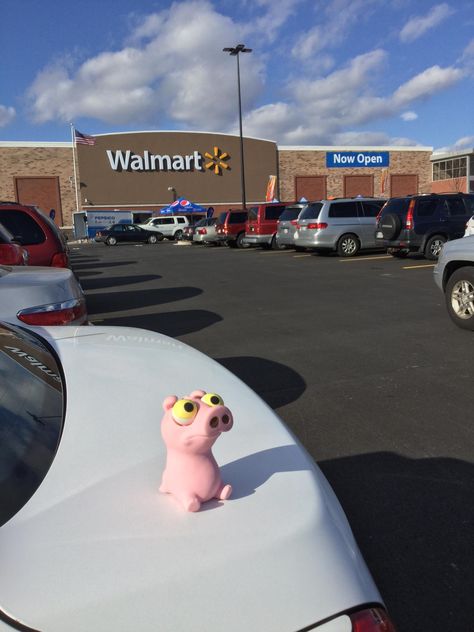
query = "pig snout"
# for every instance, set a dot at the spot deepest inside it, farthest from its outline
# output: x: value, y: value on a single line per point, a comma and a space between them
x: 218, y: 419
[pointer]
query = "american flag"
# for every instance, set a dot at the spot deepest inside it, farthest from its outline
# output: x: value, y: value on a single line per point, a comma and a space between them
x: 83, y: 139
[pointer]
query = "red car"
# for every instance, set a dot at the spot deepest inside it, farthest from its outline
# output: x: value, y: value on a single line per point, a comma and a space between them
x: 232, y: 228
x: 11, y: 253
x: 262, y: 224
x: 37, y: 233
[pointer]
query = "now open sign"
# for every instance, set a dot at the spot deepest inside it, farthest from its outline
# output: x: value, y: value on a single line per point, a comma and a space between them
x: 357, y: 159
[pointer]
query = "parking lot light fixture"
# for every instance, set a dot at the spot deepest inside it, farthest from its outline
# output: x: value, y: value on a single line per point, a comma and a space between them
x: 235, y: 51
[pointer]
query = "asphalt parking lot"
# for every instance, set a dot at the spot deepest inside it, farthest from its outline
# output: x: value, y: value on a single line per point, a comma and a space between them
x: 359, y: 358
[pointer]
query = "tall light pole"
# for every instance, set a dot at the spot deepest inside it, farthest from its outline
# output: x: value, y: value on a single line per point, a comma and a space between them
x: 240, y: 48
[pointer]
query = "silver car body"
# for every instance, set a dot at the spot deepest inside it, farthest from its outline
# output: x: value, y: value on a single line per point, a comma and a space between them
x: 210, y: 236
x: 455, y: 254
x: 287, y: 224
x: 97, y: 547
x: 26, y: 287
x: 469, y: 227
x: 321, y: 225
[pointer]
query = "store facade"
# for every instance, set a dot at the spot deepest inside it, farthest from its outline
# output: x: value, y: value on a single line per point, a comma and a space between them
x: 144, y: 171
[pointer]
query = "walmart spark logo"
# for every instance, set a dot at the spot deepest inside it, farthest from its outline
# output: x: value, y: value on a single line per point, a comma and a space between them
x: 217, y: 161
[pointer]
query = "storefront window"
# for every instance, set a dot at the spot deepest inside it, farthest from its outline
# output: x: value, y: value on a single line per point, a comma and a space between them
x: 453, y: 168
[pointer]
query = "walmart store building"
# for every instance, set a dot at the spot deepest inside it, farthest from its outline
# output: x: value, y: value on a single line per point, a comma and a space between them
x: 144, y: 171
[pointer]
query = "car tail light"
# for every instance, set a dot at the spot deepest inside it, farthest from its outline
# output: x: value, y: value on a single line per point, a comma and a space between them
x: 12, y: 255
x: 202, y: 231
x: 66, y: 313
x: 60, y: 260
x: 371, y: 620
x: 294, y: 222
x: 409, y: 220
x: 317, y: 226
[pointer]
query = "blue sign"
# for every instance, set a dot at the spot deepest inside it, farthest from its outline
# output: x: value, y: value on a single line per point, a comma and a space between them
x: 357, y: 159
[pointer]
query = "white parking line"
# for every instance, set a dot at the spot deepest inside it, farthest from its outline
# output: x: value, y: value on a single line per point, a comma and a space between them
x: 427, y: 265
x: 365, y: 258
x: 300, y: 256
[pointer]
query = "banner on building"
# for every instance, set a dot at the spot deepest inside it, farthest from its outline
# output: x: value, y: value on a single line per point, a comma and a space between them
x: 271, y: 188
x: 383, y: 180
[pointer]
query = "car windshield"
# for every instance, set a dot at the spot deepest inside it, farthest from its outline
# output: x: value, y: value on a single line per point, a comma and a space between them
x: 31, y: 416
x: 290, y: 213
x: 311, y: 211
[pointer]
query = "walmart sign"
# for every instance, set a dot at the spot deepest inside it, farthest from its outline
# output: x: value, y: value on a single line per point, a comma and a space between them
x: 357, y: 159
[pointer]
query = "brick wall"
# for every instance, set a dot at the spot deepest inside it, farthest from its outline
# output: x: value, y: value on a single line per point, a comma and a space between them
x: 39, y: 161
x: 312, y: 162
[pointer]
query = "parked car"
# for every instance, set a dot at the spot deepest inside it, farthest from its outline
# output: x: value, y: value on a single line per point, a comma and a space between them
x: 286, y: 225
x: 454, y: 275
x: 11, y: 253
x: 231, y: 230
x: 261, y: 225
x: 205, y: 233
x: 344, y: 225
x: 130, y: 233
x: 84, y: 524
x: 469, y: 227
x: 188, y: 231
x: 39, y: 296
x: 423, y: 223
x: 170, y: 226
x: 37, y: 233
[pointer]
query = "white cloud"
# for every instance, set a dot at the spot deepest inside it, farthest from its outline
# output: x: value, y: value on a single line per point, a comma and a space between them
x: 427, y: 83
x: 339, y: 17
x: 419, y: 25
x: 7, y: 114
x: 173, y: 67
x: 409, y: 116
x: 464, y: 143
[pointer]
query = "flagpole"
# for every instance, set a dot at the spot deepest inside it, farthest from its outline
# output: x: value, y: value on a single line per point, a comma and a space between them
x: 74, y: 164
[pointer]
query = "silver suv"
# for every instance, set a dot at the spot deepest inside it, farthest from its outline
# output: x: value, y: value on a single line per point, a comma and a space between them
x: 171, y: 227
x: 345, y: 225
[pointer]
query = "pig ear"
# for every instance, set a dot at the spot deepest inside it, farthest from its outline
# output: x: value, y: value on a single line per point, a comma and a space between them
x: 169, y: 402
x: 197, y: 394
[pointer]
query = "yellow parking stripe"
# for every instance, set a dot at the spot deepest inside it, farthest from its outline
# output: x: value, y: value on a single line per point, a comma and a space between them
x: 365, y: 258
x: 428, y: 265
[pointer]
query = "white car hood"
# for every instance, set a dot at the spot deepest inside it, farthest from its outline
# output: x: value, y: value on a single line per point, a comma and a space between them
x: 99, y: 548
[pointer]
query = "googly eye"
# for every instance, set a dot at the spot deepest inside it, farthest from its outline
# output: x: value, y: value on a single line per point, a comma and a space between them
x: 184, y: 411
x: 212, y: 399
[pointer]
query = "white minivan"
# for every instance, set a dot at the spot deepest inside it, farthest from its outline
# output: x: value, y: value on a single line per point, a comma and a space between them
x: 171, y: 227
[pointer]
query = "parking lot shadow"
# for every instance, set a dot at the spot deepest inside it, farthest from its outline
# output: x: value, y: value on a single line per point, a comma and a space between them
x: 121, y: 301
x: 414, y: 522
x: 276, y: 383
x: 168, y: 323
x: 97, y: 284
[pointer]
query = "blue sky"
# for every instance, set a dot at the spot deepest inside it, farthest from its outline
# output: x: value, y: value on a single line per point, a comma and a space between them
x: 338, y: 72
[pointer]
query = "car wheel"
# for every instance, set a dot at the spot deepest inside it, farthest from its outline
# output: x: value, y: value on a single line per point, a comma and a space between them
x: 178, y: 234
x: 434, y: 246
x: 348, y: 246
x: 240, y: 241
x: 460, y: 297
x: 152, y: 239
x: 111, y: 241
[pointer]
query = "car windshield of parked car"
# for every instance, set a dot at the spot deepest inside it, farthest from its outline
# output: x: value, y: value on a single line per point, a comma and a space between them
x: 23, y: 227
x: 311, y: 211
x: 290, y: 213
x: 31, y: 416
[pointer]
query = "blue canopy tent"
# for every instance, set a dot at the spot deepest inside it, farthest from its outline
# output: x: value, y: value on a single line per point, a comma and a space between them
x: 182, y: 205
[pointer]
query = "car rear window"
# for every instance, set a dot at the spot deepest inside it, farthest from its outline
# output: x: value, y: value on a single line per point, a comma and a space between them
x: 31, y: 416
x: 290, y: 213
x: 237, y: 218
x: 343, y: 209
x: 23, y: 227
x: 273, y: 212
x: 371, y: 208
x: 399, y: 206
x: 311, y: 211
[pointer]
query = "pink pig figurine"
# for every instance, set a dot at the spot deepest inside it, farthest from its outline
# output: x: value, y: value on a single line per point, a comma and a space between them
x: 189, y: 427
